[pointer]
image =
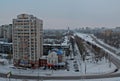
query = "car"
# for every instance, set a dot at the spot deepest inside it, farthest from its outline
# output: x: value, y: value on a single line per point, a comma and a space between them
x: 19, y: 68
x: 45, y: 68
x: 72, y: 59
x: 76, y: 70
x: 75, y: 61
x: 67, y: 69
x: 24, y: 68
x: 75, y: 65
x: 13, y: 67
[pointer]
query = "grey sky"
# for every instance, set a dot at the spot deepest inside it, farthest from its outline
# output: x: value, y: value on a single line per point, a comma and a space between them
x: 64, y: 13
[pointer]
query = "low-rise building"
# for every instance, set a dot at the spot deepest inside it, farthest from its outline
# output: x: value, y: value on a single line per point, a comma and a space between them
x: 52, y: 59
x: 56, y: 59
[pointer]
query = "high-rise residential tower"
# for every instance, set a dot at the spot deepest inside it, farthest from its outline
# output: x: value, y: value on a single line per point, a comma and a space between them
x: 27, y: 40
x: 6, y: 32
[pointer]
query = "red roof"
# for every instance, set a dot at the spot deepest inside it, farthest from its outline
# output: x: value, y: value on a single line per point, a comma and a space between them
x: 50, y: 65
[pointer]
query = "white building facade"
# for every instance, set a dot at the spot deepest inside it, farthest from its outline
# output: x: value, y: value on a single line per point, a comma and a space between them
x: 52, y: 58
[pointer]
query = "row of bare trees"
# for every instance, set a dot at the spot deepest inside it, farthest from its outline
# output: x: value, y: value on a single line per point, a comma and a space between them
x: 111, y: 39
x: 82, y: 46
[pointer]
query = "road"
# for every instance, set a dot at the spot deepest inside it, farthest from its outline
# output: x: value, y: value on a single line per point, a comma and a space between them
x: 63, y: 77
x: 103, y: 45
x: 111, y: 57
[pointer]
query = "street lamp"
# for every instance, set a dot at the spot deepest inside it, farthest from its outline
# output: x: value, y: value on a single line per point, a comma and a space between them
x: 38, y: 73
x: 109, y: 60
x: 85, y: 67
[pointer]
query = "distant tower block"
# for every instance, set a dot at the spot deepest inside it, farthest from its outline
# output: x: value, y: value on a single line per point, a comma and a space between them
x: 68, y: 30
x: 68, y: 33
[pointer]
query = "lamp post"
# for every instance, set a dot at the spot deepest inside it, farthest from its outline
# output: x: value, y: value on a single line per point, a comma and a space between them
x: 85, y: 67
x: 38, y: 74
x: 84, y: 60
x: 109, y: 61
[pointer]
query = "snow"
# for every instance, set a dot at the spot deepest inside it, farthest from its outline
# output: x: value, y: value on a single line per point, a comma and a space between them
x: 106, y: 79
x: 101, y: 67
x: 4, y: 61
x: 87, y: 37
x: 5, y: 43
x: 104, y: 43
x: 65, y: 42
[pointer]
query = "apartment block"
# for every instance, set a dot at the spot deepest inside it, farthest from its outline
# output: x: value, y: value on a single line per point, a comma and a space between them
x: 27, y: 40
x: 6, y: 33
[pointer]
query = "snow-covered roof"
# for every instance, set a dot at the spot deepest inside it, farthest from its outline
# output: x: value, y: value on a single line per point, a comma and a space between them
x: 62, y: 63
x: 2, y: 60
x: 57, y: 51
x: 5, y: 43
x: 43, y: 57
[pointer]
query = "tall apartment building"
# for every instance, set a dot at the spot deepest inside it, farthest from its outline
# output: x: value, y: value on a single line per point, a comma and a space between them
x: 27, y: 40
x: 6, y: 33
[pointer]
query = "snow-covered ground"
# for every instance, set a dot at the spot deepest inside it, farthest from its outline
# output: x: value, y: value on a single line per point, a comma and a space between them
x: 101, y: 67
x: 91, y: 68
x: 87, y: 37
x: 106, y: 79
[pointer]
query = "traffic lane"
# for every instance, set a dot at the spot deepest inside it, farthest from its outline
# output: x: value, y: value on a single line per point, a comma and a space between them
x: 63, y: 77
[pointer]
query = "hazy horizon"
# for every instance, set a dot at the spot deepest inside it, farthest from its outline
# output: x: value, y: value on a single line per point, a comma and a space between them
x: 60, y: 14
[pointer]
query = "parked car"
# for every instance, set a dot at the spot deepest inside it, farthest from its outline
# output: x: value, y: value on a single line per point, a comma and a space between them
x: 77, y: 70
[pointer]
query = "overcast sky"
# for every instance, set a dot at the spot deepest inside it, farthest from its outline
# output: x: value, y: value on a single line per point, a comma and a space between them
x: 64, y: 13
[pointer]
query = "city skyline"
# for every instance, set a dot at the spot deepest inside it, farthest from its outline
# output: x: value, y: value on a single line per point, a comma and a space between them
x: 61, y: 14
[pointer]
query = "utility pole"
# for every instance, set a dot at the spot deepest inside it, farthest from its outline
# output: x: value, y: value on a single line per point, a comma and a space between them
x: 38, y: 73
x: 84, y: 56
x: 85, y: 67
x: 109, y: 61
